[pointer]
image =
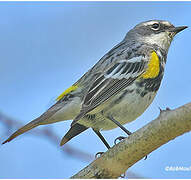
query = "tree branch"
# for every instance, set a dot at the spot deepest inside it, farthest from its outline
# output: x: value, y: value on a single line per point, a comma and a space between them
x: 168, y: 125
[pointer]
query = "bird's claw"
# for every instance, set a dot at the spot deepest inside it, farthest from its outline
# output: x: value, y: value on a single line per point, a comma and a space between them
x: 98, y: 154
x: 168, y: 109
x: 122, y: 175
x: 120, y: 138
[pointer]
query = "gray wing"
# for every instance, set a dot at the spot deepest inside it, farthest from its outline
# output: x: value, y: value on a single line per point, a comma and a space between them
x: 110, y: 82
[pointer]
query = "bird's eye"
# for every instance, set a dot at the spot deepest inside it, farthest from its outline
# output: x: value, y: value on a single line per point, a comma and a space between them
x: 155, y: 26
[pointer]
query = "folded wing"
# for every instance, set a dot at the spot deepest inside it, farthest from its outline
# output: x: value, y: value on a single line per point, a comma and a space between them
x: 110, y: 82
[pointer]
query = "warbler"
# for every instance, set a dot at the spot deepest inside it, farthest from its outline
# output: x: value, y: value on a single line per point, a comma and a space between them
x: 118, y: 88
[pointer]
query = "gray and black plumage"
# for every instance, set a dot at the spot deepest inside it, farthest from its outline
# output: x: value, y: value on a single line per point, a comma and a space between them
x: 120, y: 86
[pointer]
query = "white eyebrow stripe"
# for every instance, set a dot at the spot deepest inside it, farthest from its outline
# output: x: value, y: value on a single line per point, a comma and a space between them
x: 150, y: 22
x: 162, y: 22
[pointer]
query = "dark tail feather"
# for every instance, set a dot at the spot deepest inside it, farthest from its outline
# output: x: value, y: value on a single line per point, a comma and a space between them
x: 25, y: 128
x: 74, y: 131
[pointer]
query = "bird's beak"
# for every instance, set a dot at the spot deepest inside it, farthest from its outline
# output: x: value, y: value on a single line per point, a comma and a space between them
x: 176, y: 30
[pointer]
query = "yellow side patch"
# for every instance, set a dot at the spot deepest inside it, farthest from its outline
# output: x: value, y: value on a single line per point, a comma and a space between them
x: 153, y: 67
x: 67, y: 91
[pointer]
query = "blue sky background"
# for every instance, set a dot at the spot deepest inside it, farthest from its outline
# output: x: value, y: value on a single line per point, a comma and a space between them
x: 46, y: 47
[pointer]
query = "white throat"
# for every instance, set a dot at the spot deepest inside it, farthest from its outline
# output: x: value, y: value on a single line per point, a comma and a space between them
x: 162, y: 40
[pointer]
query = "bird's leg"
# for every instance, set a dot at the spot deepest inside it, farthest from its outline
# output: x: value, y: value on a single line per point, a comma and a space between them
x: 103, y: 140
x: 123, y: 128
x: 106, y: 144
x: 119, y: 125
x: 120, y: 138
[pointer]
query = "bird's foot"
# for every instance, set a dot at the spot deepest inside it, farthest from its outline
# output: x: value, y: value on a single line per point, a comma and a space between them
x: 120, y: 138
x: 122, y: 175
x: 167, y: 109
x: 98, y: 154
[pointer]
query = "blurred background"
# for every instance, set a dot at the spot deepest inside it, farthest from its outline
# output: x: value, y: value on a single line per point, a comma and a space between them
x: 45, y: 47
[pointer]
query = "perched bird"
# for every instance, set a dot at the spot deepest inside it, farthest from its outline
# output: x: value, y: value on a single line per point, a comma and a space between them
x: 118, y: 88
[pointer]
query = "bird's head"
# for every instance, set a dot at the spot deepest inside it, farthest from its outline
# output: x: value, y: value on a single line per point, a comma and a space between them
x: 156, y: 32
